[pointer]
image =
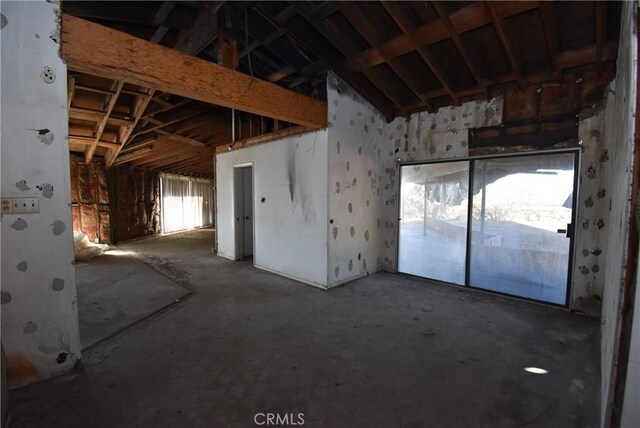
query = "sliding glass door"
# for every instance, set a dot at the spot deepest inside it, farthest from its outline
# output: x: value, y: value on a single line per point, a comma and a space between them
x: 433, y: 221
x: 514, y: 239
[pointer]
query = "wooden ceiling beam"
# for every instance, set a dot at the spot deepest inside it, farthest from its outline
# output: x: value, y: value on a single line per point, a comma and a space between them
x: 162, y: 153
x: 368, y: 31
x: 90, y: 150
x: 96, y: 116
x: 94, y: 89
x: 181, y: 138
x: 87, y: 141
x: 138, y: 145
x: 128, y: 157
x: 165, y: 155
x: 466, y: 19
x: 140, y: 104
x: 550, y: 31
x: 424, y: 54
x: 376, y: 83
x: 177, y: 118
x: 98, y: 50
x: 203, y: 32
x: 374, y: 96
x: 294, y: 130
x: 462, y: 49
x: 276, y: 35
x: 161, y: 15
x: 501, y: 31
x: 586, y: 55
x: 195, y: 161
x: 379, y: 84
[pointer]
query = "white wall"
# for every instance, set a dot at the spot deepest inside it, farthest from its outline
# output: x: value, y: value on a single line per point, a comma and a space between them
x: 39, y: 306
x: 355, y: 140
x: 291, y: 224
x: 620, y: 191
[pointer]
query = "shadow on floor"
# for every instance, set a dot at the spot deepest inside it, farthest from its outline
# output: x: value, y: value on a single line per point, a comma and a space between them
x: 115, y: 291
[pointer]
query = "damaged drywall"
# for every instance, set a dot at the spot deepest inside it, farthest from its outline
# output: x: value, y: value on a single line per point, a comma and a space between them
x: 39, y: 316
x: 354, y: 154
x: 290, y: 205
x: 619, y: 211
x: 365, y: 153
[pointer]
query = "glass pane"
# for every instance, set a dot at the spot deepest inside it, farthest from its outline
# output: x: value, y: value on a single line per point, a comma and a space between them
x: 433, y: 226
x: 519, y: 204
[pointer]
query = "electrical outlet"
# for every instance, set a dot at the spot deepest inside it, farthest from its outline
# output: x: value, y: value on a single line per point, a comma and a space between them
x: 7, y: 205
x: 26, y: 205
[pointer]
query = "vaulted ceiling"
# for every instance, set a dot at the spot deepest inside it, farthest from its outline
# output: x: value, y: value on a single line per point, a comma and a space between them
x: 402, y: 56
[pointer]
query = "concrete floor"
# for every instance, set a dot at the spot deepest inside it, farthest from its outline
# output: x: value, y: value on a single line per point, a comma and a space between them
x: 383, y: 351
x: 115, y: 291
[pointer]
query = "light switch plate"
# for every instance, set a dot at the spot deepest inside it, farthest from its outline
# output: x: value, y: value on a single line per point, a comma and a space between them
x: 7, y: 205
x: 26, y: 205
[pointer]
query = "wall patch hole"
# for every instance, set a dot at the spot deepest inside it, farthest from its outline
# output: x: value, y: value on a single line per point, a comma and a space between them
x: 5, y: 297
x: 30, y: 327
x: 57, y: 284
x: 48, y: 76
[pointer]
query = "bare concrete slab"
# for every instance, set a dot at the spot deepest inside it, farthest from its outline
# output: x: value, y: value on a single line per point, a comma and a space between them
x: 383, y: 351
x: 115, y: 291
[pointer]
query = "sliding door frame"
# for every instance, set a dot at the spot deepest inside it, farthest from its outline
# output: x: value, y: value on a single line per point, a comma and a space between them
x: 471, y: 159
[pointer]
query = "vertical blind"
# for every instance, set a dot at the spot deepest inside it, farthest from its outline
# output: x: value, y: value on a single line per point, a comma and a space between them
x: 187, y: 203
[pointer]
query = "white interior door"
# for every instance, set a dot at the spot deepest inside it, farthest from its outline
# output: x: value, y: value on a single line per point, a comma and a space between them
x: 247, y: 184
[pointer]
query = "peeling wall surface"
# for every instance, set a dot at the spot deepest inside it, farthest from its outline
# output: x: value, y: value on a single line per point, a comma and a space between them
x: 355, y: 150
x: 620, y: 194
x: 39, y: 307
x: 290, y: 205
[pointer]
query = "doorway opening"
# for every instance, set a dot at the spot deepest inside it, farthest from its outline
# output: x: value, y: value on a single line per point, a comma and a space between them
x: 243, y: 207
x: 501, y: 224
